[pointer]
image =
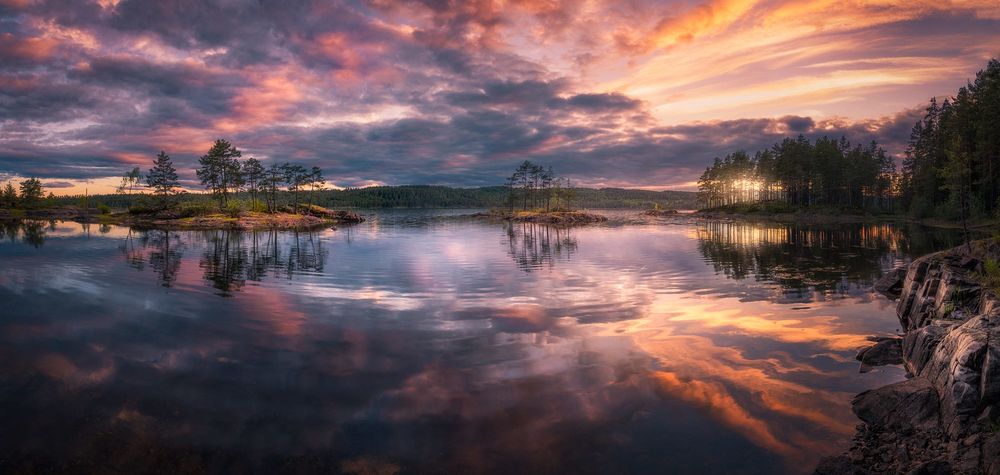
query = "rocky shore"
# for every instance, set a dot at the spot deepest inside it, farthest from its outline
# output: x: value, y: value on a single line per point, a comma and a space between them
x: 62, y: 213
x: 945, y: 418
x: 307, y: 217
x: 658, y: 213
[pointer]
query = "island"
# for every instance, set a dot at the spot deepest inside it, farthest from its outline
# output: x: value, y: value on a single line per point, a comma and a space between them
x: 308, y: 217
x: 555, y: 217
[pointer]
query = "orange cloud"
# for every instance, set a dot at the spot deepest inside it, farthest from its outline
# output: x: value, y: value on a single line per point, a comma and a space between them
x: 28, y: 49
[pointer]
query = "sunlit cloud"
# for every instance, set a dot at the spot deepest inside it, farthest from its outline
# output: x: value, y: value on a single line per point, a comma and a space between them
x: 457, y: 93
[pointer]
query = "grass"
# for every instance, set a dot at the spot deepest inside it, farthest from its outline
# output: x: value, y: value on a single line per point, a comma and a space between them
x: 990, y: 276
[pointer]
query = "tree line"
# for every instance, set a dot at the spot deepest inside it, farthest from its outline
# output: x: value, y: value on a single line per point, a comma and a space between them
x: 951, y: 167
x: 224, y: 175
x: 28, y: 194
x: 800, y: 172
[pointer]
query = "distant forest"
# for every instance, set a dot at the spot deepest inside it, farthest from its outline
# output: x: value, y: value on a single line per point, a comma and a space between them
x: 428, y: 196
x: 799, y: 172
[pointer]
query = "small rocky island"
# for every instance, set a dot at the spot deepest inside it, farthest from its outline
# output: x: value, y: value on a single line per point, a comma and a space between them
x: 285, y: 218
x: 558, y: 218
x: 175, y: 218
x: 946, y: 417
x: 660, y: 213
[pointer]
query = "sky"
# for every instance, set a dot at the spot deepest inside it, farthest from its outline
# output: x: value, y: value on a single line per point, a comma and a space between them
x: 631, y: 93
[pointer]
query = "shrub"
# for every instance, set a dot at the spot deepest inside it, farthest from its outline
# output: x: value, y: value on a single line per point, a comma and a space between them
x: 258, y: 207
x: 141, y: 208
x: 195, y: 208
x: 991, y: 275
x: 234, y: 209
x: 104, y: 209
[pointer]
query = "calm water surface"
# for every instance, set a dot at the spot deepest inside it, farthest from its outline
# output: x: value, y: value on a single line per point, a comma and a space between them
x: 419, y: 343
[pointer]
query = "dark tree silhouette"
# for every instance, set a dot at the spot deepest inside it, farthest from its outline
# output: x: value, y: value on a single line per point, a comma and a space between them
x: 31, y: 193
x: 162, y: 178
x: 220, y: 170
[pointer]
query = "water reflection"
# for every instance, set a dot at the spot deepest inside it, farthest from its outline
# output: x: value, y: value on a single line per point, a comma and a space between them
x: 451, y: 347
x: 533, y: 246
x: 229, y: 257
x: 32, y: 232
x: 807, y: 258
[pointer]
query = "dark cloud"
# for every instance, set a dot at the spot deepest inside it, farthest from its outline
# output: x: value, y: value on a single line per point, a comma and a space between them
x: 799, y: 124
x: 86, y: 91
x: 31, y: 97
x: 604, y: 102
x: 57, y: 184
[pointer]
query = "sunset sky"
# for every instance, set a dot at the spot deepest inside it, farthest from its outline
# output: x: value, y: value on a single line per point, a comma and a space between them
x: 630, y: 93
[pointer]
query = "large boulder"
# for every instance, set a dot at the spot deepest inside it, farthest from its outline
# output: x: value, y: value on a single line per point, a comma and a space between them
x: 919, y: 345
x: 891, y: 284
x: 955, y: 369
x: 886, y: 351
x: 906, y: 405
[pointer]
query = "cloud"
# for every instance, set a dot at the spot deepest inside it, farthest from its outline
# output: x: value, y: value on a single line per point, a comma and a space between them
x: 58, y: 184
x: 635, y: 94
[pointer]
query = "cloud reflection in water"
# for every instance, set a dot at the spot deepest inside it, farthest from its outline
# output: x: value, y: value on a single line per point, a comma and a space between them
x: 452, y: 347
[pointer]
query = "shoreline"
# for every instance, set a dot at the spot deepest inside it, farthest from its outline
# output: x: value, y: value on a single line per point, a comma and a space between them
x: 828, y: 218
x: 945, y: 418
x: 313, y: 218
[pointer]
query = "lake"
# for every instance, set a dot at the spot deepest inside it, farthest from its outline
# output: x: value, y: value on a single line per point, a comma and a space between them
x: 418, y: 342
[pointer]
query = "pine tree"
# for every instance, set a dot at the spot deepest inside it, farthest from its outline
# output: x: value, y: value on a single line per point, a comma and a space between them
x: 162, y: 178
x: 9, y: 196
x: 31, y: 193
x: 296, y: 177
x: 316, y: 181
x: 220, y: 170
x: 253, y: 174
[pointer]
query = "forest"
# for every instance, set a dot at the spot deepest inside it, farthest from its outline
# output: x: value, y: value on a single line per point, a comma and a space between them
x: 950, y: 168
x: 799, y: 172
x: 419, y: 196
x: 952, y: 164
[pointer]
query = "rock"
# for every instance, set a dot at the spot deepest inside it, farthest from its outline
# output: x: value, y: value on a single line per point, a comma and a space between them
x: 934, y: 467
x: 989, y: 378
x: 557, y: 218
x: 887, y: 351
x: 321, y: 212
x: 954, y: 369
x: 660, y: 212
x: 891, y: 284
x: 991, y: 455
x: 971, y: 263
x: 919, y: 346
x: 838, y: 465
x: 945, y: 419
x: 967, y: 460
x: 906, y: 405
x: 912, y: 295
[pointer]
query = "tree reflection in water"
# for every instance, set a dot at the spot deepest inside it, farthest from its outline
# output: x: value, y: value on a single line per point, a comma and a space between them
x: 160, y: 249
x: 32, y: 232
x: 230, y: 257
x: 533, y: 246
x: 805, y: 258
x: 164, y: 256
x: 233, y: 257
